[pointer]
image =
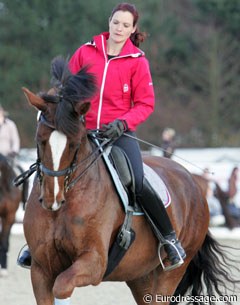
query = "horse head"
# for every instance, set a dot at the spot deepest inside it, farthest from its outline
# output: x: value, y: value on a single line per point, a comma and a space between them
x: 61, y: 129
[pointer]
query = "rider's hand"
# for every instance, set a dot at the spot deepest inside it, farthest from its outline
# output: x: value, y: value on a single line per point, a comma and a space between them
x: 114, y: 130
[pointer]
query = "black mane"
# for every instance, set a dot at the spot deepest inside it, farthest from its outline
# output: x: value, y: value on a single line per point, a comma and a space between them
x: 71, y: 89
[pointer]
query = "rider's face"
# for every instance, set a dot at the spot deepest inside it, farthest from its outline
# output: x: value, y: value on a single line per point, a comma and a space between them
x: 121, y: 26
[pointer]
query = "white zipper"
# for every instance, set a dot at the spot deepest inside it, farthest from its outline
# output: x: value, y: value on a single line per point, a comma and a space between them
x: 104, y: 79
x: 102, y: 87
x: 101, y: 95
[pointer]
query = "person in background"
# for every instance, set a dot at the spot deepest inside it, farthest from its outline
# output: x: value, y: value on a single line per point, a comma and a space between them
x: 215, y: 209
x: 234, y: 210
x: 232, y: 184
x: 9, y: 136
x: 124, y: 101
x: 168, y: 142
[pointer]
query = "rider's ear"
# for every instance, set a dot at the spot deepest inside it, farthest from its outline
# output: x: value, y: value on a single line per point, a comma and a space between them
x: 34, y: 99
x: 82, y: 108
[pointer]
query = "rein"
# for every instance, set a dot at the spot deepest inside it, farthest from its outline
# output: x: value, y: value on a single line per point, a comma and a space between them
x: 40, y: 168
x: 160, y: 148
x: 100, y: 148
x: 67, y: 172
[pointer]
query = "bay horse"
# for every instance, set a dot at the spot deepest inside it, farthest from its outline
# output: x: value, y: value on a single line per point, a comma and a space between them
x: 10, y: 199
x: 203, y: 183
x: 73, y: 213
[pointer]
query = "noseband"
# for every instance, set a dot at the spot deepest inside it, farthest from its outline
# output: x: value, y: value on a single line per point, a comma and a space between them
x: 67, y: 172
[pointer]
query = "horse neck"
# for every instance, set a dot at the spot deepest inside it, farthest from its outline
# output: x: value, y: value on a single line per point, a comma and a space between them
x: 86, y: 155
x: 98, y: 181
x: 86, y: 148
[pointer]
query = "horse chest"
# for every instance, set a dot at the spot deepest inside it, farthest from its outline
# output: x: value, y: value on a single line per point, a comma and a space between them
x: 68, y: 238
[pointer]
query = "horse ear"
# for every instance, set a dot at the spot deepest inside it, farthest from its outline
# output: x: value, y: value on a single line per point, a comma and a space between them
x: 34, y: 99
x: 82, y: 108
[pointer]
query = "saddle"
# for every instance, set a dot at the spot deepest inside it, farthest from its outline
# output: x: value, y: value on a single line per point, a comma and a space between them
x: 120, y: 170
x: 120, y: 166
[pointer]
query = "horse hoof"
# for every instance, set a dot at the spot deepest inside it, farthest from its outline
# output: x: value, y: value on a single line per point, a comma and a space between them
x: 3, y: 272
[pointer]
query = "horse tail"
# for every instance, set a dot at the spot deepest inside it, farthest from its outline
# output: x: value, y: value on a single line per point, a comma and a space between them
x: 209, y: 272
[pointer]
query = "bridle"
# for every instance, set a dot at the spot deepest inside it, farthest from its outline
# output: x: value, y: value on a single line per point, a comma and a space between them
x: 42, y: 170
x: 67, y: 172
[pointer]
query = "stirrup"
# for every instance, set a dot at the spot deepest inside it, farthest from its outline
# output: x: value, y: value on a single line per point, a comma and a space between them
x: 20, y: 254
x: 171, y: 267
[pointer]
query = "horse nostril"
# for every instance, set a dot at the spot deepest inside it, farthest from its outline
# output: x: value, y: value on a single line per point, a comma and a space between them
x: 63, y: 201
x: 40, y: 200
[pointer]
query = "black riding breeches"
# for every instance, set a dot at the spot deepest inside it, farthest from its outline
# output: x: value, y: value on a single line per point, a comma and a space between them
x: 131, y: 147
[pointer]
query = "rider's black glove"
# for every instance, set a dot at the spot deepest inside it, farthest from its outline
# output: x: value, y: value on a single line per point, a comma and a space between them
x: 114, y: 130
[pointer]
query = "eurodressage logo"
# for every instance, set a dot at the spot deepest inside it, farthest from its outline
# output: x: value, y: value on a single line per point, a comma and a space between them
x: 203, y: 299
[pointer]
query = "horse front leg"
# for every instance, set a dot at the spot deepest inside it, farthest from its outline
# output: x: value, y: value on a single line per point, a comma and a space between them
x: 42, y: 286
x: 87, y: 270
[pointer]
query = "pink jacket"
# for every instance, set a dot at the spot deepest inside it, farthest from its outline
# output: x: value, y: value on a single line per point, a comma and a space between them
x: 125, y: 83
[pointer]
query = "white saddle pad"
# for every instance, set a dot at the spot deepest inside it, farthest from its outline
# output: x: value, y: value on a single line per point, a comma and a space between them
x: 153, y: 178
x: 158, y: 184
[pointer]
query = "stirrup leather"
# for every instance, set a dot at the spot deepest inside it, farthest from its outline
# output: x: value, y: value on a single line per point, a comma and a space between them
x: 171, y: 267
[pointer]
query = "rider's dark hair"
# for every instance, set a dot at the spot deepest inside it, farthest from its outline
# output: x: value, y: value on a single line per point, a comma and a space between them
x: 137, y: 37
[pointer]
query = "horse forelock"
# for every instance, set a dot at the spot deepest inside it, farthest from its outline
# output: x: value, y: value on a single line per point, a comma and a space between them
x: 72, y: 87
x: 66, y: 119
x: 70, y: 90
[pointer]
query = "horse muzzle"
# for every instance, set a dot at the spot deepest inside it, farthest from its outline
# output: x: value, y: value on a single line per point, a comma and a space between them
x: 53, y: 206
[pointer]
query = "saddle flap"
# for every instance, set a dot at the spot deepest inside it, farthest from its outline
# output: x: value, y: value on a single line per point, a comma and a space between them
x: 123, y: 167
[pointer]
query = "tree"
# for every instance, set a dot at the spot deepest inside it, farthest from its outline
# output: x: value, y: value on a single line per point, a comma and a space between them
x: 32, y: 33
x: 192, y: 47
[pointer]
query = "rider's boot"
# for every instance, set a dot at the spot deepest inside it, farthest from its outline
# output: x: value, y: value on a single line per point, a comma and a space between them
x: 24, y: 258
x: 154, y: 207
